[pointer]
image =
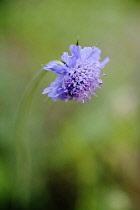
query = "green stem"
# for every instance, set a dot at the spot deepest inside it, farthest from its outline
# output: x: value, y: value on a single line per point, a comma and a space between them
x: 23, y: 179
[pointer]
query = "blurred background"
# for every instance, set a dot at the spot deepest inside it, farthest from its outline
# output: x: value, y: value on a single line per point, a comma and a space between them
x: 70, y: 156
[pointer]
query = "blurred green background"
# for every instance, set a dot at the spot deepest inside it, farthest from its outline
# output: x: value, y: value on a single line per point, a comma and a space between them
x: 70, y: 156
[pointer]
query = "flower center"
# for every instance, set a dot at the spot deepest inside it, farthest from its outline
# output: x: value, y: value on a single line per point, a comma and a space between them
x: 81, y: 81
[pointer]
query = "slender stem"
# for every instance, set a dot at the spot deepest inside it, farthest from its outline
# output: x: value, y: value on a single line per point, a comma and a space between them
x: 23, y: 159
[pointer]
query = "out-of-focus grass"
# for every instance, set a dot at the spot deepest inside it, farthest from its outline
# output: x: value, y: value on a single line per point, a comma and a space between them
x: 83, y: 156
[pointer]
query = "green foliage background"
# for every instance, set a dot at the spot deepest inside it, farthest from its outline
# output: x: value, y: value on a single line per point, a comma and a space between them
x: 82, y: 156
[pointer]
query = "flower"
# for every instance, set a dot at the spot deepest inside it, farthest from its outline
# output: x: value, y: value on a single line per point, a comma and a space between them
x: 78, y: 74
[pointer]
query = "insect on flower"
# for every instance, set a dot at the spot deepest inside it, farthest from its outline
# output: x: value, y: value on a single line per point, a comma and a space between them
x: 78, y: 75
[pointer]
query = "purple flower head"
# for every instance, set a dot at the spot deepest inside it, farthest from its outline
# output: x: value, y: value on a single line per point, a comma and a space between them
x: 78, y: 75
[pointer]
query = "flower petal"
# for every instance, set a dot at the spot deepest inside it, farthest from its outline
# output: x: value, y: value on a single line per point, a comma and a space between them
x: 75, y: 50
x: 69, y: 60
x: 105, y: 61
x: 95, y: 55
x: 47, y: 90
x: 85, y: 53
x: 52, y: 66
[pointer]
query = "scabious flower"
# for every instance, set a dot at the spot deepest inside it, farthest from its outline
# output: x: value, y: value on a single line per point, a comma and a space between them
x: 78, y: 74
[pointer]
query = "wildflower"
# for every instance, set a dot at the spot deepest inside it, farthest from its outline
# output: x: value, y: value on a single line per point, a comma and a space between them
x: 78, y: 74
